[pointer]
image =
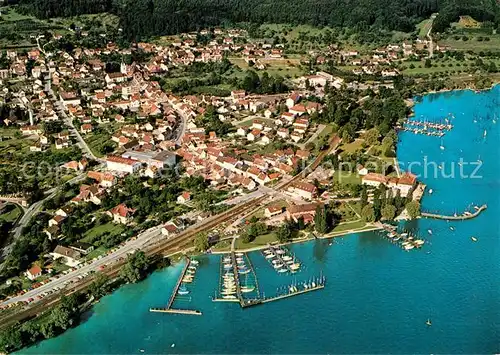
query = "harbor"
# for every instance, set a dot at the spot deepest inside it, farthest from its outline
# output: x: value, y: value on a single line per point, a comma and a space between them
x: 457, y: 217
x: 281, y: 260
x: 181, y: 292
x: 405, y: 240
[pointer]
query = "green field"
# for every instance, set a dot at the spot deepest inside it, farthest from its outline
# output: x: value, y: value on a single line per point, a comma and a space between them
x: 348, y: 226
x: 11, y: 213
x: 259, y: 241
x: 101, y: 229
x: 345, y: 177
x: 473, y: 44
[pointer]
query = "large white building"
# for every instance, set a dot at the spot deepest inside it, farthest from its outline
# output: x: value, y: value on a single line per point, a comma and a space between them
x: 121, y: 164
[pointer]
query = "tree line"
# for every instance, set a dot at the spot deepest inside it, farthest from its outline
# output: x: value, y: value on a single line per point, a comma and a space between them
x: 144, y: 18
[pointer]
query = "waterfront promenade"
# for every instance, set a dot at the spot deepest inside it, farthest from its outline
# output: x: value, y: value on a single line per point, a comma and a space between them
x: 455, y: 217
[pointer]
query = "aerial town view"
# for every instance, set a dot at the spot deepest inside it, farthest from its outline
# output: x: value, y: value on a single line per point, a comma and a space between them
x: 249, y: 177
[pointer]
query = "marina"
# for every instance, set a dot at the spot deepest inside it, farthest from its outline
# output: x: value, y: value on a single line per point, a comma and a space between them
x: 457, y: 217
x: 281, y: 260
x: 406, y: 240
x: 180, y: 290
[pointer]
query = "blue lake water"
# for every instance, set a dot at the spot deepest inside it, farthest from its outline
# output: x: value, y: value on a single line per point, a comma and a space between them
x: 377, y: 298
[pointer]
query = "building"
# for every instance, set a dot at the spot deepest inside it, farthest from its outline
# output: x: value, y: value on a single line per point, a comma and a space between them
x: 303, y: 190
x: 121, y: 164
x: 271, y: 211
x: 69, y: 98
x: 121, y: 214
x: 70, y: 257
x: 184, y: 197
x: 374, y: 179
x: 34, y: 272
x: 306, y: 211
x: 82, y: 248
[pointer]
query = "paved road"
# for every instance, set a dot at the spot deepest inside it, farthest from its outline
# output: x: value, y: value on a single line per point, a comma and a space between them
x: 60, y: 109
x: 182, y: 125
x: 61, y: 282
x: 431, y: 43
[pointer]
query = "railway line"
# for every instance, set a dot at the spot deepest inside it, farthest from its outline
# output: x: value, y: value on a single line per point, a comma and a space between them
x: 166, y: 247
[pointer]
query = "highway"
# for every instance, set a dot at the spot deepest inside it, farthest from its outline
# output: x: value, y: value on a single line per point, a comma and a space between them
x: 59, y: 283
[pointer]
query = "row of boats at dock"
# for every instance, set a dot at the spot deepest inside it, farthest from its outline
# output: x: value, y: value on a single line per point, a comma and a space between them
x: 281, y: 260
x: 405, y: 240
x: 188, y: 277
x: 229, y: 279
x: 422, y: 131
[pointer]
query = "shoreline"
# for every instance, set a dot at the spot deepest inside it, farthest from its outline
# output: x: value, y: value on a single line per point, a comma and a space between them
x: 331, y: 235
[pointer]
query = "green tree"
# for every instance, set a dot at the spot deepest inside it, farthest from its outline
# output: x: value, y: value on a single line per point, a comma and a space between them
x: 99, y: 287
x: 11, y: 339
x: 321, y: 220
x: 389, y: 212
x: 371, y: 136
x: 368, y: 214
x: 201, y: 242
x: 284, y: 232
x: 136, y: 267
x: 364, y: 196
x: 413, y: 209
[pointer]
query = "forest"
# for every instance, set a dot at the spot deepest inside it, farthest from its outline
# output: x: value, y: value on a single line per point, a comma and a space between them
x: 144, y: 18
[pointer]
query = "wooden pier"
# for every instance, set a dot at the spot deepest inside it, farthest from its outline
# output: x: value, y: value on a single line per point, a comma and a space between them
x: 169, y: 308
x: 461, y: 217
x: 255, y: 302
x: 176, y: 311
x: 179, y: 282
x: 239, y: 296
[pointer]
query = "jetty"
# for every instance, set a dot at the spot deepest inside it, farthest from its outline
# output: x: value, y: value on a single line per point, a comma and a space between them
x: 404, y: 240
x: 178, y: 284
x: 176, y: 311
x: 456, y: 217
x: 168, y: 308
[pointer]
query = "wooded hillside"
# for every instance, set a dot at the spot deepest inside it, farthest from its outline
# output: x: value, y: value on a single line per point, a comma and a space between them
x: 142, y: 18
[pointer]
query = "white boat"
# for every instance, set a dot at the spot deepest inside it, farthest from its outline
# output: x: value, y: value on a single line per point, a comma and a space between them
x: 243, y: 272
x: 408, y: 246
x: 276, y: 261
x: 229, y: 297
x: 239, y: 254
x: 429, y: 231
x: 452, y: 228
x: 267, y: 251
x: 474, y: 239
x: 182, y: 292
x: 419, y: 242
x: 270, y: 256
x: 313, y: 284
x: 195, y: 262
x: 247, y: 289
x: 278, y: 266
x: 280, y: 251
x: 187, y: 280
x: 428, y: 323
x: 430, y: 191
x: 287, y: 257
x: 228, y: 266
x: 281, y: 270
x: 226, y: 260
x: 191, y: 267
x: 295, y: 266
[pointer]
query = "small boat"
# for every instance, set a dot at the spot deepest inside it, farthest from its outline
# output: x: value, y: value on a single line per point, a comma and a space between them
x: 428, y: 323
x: 295, y: 266
x: 239, y: 254
x: 281, y: 270
x: 408, y: 246
x: 229, y: 297
x: 270, y: 256
x: 474, y: 239
x: 430, y: 191
x: 267, y: 251
x: 419, y: 242
x: 195, y: 262
x: 227, y: 260
x: 429, y: 231
x: 247, y: 289
x: 278, y: 266
x: 228, y: 266
x: 452, y: 228
x: 244, y: 271
x: 280, y: 251
x: 286, y: 258
x: 187, y: 280
x: 191, y: 267
x: 183, y: 291
x: 313, y: 284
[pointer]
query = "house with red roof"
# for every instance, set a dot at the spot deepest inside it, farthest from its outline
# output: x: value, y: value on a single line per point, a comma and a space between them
x: 34, y: 272
x: 122, y: 214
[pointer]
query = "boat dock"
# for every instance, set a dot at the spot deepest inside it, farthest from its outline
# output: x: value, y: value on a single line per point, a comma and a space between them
x: 405, y: 240
x: 171, y: 300
x: 176, y: 311
x: 178, y: 284
x: 455, y: 217
x: 279, y: 257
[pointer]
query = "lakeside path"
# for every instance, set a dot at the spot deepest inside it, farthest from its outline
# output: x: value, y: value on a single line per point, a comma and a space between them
x: 367, y: 228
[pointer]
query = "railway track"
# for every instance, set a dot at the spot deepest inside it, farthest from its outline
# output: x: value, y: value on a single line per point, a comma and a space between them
x: 169, y: 246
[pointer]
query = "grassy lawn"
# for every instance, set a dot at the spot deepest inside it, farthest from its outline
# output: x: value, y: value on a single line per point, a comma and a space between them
x: 224, y: 245
x: 423, y: 28
x: 11, y: 213
x: 96, y: 252
x: 96, y: 140
x: 473, y: 44
x: 97, y: 231
x: 257, y: 242
x: 348, y: 226
x: 353, y: 146
x: 345, y: 177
